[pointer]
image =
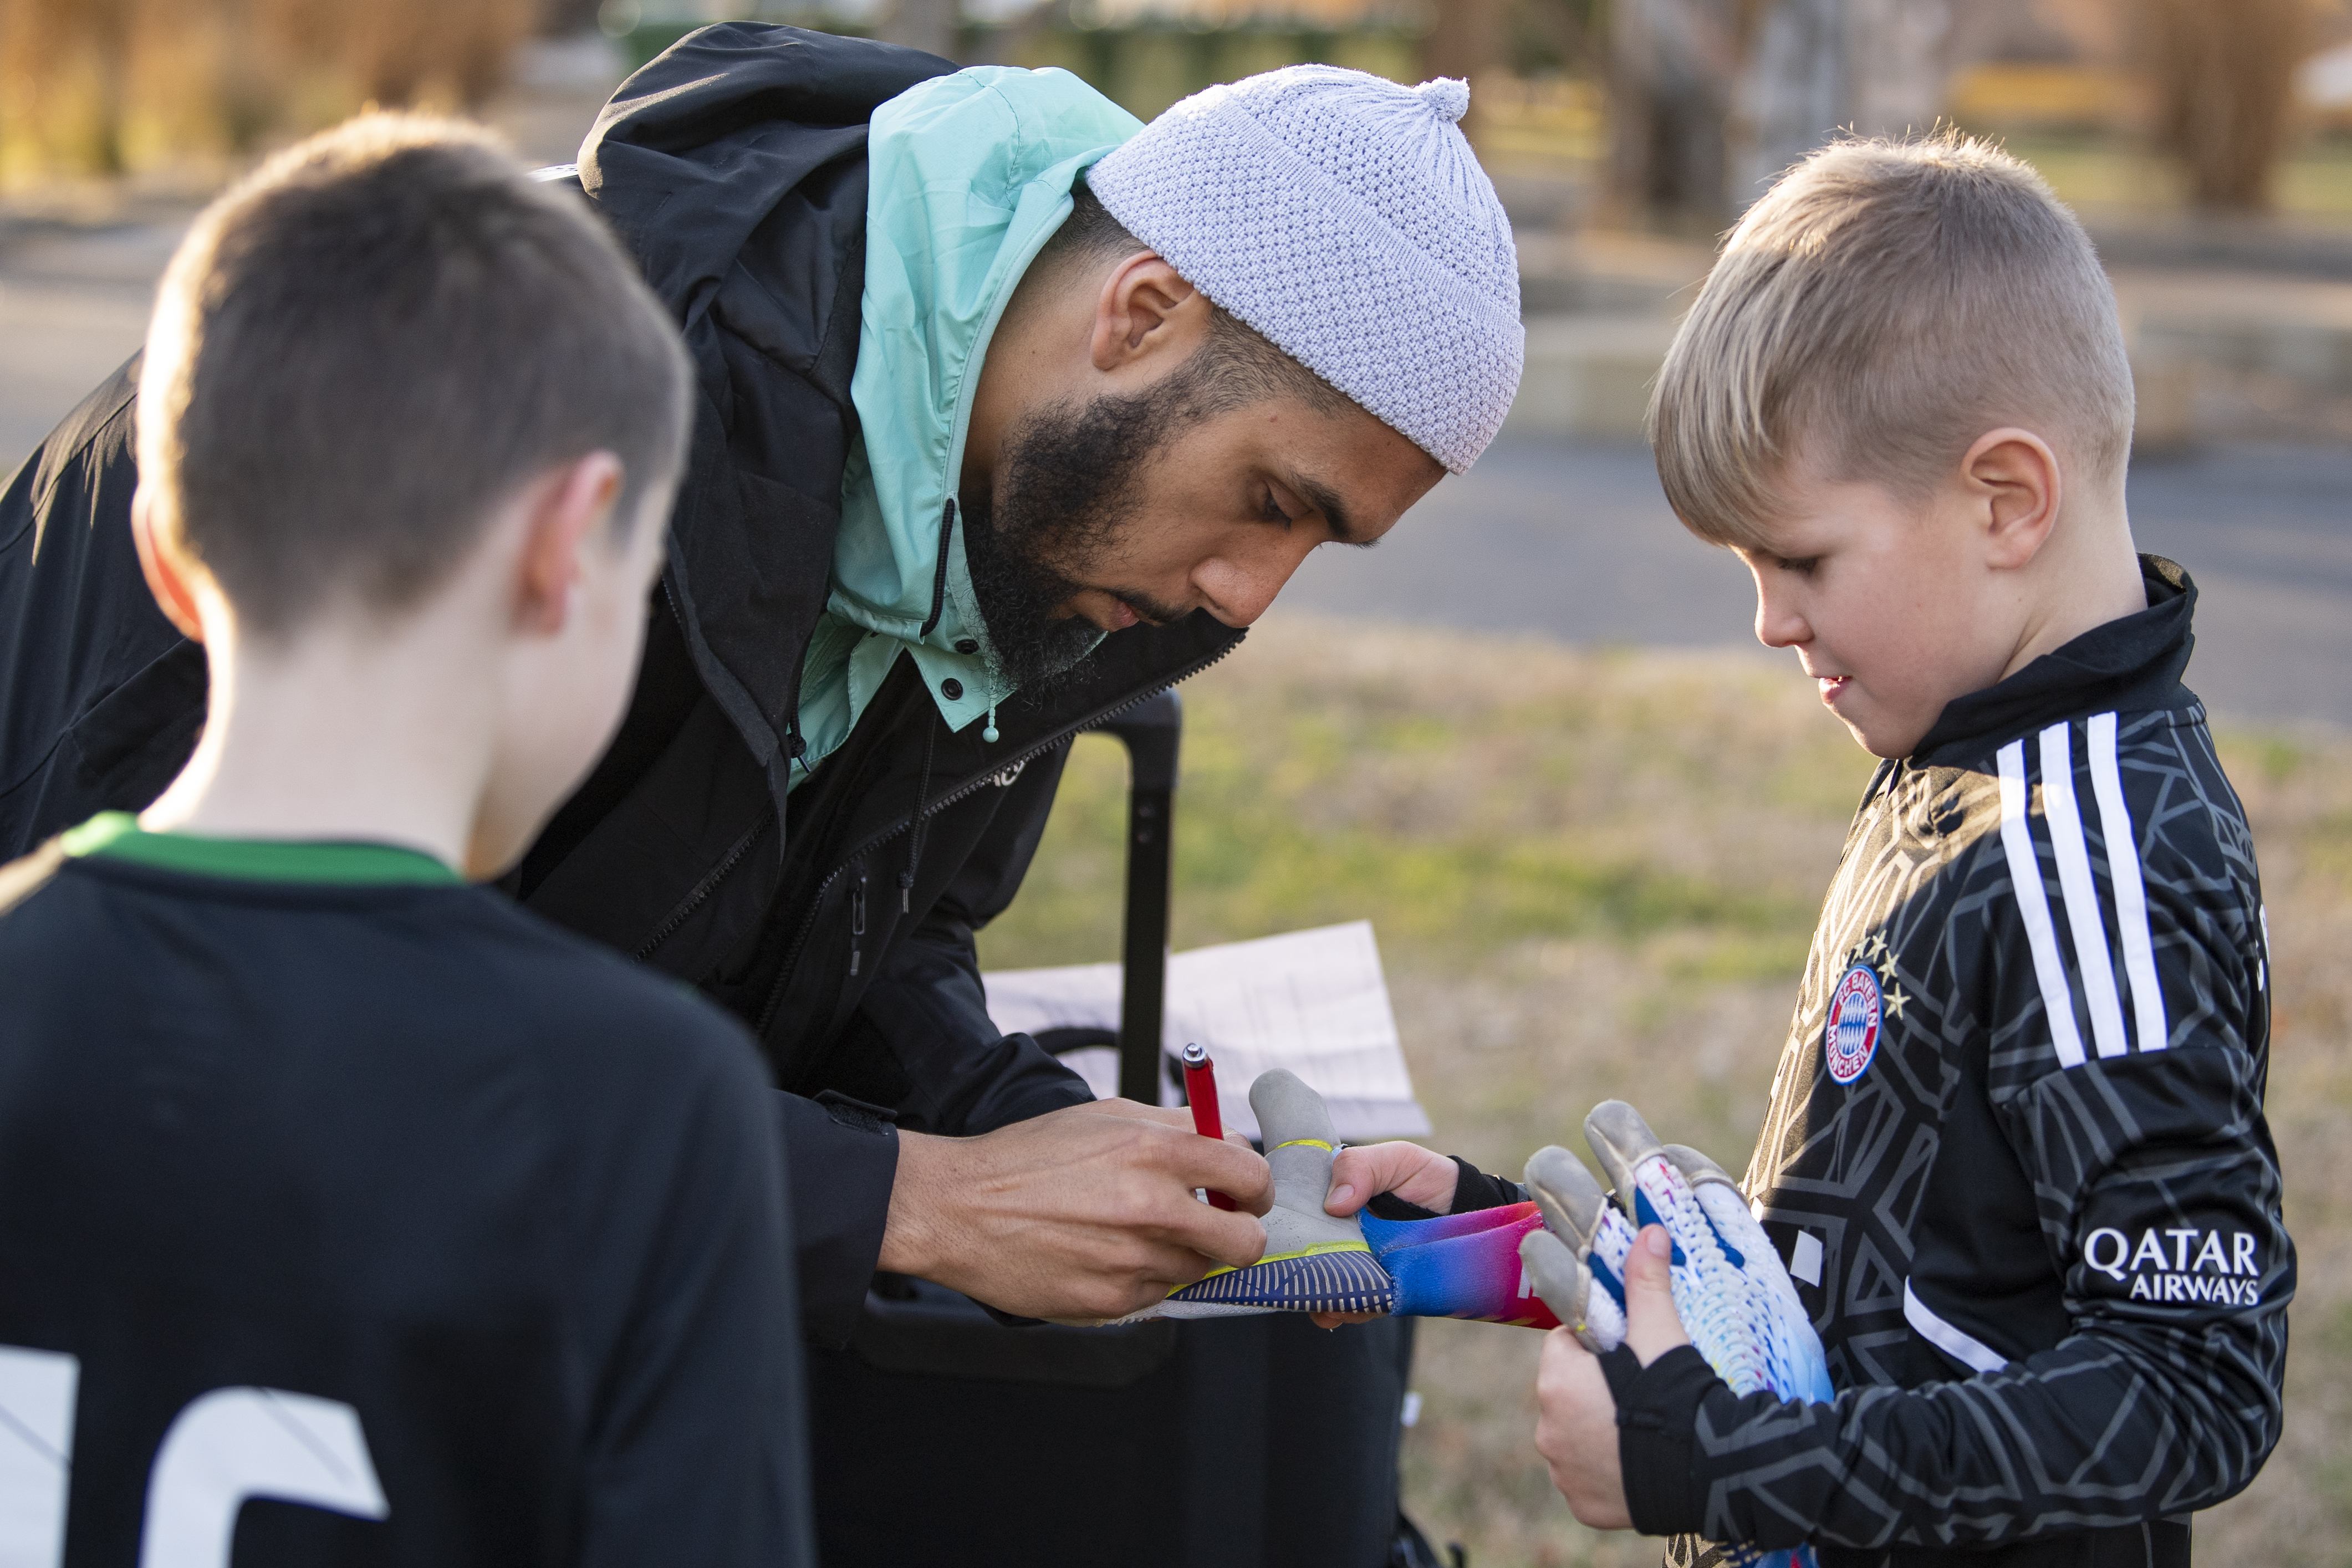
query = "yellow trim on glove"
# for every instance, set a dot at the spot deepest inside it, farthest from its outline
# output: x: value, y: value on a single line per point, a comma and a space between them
x: 1321, y: 1247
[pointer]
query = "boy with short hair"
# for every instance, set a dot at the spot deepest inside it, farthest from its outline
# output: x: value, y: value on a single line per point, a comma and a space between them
x: 2015, y: 1156
x: 327, y: 1182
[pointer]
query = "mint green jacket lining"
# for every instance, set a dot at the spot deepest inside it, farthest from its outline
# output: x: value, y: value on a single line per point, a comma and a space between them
x: 969, y: 175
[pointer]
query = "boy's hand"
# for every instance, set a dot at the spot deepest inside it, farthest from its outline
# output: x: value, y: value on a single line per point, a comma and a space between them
x: 1576, y: 1422
x: 1363, y: 1172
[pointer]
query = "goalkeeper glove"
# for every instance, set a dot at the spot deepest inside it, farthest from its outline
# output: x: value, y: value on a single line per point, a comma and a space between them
x: 1730, y: 1289
x: 1314, y: 1261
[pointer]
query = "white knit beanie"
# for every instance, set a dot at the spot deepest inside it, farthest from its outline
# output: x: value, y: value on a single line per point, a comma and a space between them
x: 1345, y: 217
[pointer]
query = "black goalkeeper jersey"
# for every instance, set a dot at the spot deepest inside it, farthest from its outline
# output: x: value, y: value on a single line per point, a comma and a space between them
x: 2016, y: 1158
x: 353, y: 1215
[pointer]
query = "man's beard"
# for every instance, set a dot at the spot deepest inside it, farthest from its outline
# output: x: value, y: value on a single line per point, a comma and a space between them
x: 1067, y: 489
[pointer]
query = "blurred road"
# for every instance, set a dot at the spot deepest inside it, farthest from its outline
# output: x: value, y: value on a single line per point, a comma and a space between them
x: 1567, y: 538
x: 1573, y: 540
x: 73, y: 304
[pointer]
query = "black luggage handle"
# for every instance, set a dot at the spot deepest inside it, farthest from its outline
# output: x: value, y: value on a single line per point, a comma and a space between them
x: 1150, y: 730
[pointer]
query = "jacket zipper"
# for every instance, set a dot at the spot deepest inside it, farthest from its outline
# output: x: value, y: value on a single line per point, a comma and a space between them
x: 701, y: 893
x: 702, y: 890
x: 884, y: 835
x: 856, y: 916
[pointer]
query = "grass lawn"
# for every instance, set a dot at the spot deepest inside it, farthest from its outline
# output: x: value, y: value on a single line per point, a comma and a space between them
x: 1593, y: 874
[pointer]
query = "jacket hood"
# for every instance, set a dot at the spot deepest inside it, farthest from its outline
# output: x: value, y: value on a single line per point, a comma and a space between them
x: 971, y: 174
x: 733, y: 168
x: 711, y: 145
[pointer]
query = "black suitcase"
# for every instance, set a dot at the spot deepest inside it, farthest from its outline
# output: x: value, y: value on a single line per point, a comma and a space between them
x: 941, y: 1436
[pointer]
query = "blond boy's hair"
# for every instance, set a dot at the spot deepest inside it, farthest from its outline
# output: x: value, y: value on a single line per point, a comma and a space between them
x: 1886, y: 304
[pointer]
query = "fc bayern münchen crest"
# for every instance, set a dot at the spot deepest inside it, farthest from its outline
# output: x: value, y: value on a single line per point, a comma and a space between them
x: 1855, y: 1010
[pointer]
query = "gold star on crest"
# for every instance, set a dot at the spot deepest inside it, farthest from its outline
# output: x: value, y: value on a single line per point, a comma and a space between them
x: 1894, y: 1000
x: 1878, y: 944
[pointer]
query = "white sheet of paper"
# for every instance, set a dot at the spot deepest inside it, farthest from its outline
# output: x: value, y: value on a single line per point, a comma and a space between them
x: 1313, y: 1001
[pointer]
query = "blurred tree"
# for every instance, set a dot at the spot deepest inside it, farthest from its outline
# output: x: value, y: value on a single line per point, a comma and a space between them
x: 106, y: 86
x: 1549, y: 38
x: 1520, y: 36
x: 1710, y: 100
x: 62, y: 79
x: 453, y: 52
x: 1672, y: 63
x: 1876, y: 67
x: 1474, y: 38
x: 1466, y: 40
x: 2224, y: 81
x: 566, y: 18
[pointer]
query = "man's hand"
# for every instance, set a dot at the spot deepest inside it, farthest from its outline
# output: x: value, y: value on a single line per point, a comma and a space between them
x: 1576, y: 1421
x: 1363, y: 1172
x: 1166, y: 1116
x: 1083, y: 1213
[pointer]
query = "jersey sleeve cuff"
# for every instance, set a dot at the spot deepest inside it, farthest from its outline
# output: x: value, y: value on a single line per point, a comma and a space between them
x: 1657, y: 1420
x: 1474, y: 1189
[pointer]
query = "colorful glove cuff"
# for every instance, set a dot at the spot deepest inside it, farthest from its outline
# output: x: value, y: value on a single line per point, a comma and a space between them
x: 1462, y: 1265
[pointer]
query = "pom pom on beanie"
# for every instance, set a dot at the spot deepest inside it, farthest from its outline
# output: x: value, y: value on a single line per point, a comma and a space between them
x: 1345, y: 217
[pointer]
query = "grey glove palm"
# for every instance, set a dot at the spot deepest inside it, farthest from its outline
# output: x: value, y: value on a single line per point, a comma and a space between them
x: 1314, y: 1261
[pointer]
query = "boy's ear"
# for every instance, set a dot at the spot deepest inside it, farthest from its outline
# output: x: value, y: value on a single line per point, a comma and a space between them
x: 160, y: 563
x: 566, y: 511
x: 1145, y: 308
x: 2014, y: 481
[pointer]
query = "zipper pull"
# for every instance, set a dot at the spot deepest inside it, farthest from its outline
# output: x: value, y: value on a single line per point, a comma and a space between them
x: 857, y: 918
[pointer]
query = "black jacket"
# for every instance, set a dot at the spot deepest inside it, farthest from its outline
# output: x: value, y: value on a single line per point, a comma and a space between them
x: 734, y: 168
x: 2016, y: 1155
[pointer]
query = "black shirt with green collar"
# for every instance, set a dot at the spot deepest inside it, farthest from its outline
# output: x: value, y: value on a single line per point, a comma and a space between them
x: 351, y: 1215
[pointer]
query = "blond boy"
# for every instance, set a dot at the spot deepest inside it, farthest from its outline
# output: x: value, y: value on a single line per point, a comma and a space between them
x: 2015, y: 1157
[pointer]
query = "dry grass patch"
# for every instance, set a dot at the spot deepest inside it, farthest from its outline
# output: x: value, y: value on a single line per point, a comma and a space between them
x: 1594, y: 874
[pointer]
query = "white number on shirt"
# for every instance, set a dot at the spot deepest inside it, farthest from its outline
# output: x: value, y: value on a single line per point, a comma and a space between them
x: 224, y: 1447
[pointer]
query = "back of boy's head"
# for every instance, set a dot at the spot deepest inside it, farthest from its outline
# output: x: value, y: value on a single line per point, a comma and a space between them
x: 367, y: 346
x: 1886, y: 304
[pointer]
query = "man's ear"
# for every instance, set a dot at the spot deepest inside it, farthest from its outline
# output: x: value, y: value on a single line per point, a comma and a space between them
x: 566, y: 513
x: 1146, y: 308
x: 2015, y: 485
x: 160, y: 563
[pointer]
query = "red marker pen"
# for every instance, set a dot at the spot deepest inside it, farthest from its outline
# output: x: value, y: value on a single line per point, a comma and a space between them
x: 1201, y: 1092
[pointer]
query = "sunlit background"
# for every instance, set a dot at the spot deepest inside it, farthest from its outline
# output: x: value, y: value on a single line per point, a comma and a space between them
x: 1631, y: 112
x: 1529, y: 737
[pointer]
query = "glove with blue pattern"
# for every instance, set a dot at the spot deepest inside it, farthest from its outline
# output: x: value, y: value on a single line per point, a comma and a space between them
x: 1730, y: 1289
